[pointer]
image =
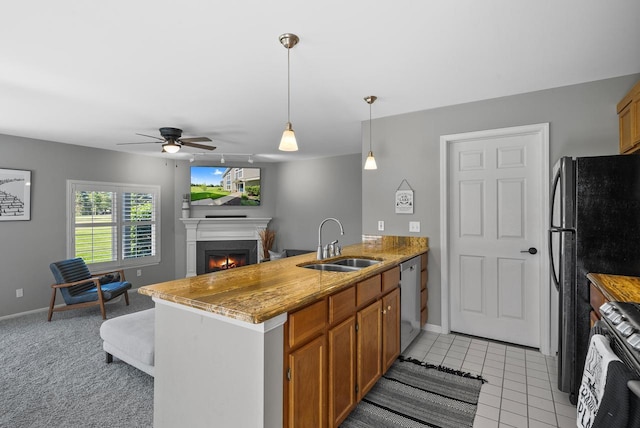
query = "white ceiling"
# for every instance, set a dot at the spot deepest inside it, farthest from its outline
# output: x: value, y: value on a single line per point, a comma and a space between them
x: 96, y: 73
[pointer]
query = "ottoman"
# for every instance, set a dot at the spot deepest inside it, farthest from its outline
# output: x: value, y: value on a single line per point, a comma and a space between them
x: 131, y: 338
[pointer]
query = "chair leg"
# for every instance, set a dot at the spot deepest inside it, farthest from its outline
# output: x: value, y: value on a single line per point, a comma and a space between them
x: 52, y: 304
x: 126, y: 297
x: 109, y: 358
x: 101, y: 303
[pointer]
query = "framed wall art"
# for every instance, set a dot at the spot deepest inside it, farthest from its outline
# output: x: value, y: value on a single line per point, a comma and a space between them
x: 404, y: 199
x: 15, y: 195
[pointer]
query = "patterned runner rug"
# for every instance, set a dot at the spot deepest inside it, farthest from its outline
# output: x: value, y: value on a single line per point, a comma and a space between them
x: 415, y: 394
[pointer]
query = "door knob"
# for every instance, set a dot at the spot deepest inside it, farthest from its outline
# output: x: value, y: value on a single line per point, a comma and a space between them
x: 531, y: 250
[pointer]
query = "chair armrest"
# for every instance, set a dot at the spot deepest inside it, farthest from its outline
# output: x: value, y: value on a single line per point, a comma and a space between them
x: 119, y: 271
x: 95, y: 280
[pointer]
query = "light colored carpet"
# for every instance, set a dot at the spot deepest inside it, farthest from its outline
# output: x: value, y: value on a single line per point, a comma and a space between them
x: 53, y: 374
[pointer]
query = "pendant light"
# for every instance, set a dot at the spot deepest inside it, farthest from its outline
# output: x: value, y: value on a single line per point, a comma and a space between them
x: 370, y: 163
x: 288, y: 142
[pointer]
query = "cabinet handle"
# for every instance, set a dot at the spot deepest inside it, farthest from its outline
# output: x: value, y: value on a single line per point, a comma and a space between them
x: 389, y: 308
x: 384, y: 311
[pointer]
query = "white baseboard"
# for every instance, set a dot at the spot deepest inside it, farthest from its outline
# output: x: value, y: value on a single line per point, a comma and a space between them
x: 432, y: 328
x: 46, y: 309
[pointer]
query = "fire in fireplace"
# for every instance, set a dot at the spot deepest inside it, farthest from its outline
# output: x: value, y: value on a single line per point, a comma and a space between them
x: 214, y: 256
x: 220, y: 260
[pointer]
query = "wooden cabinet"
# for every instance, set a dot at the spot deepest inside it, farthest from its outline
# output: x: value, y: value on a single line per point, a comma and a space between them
x: 596, y: 299
x: 369, y: 338
x: 629, y: 121
x: 424, y: 277
x: 306, y: 376
x: 336, y: 349
x: 306, y: 367
x: 390, y: 328
x: 342, y: 370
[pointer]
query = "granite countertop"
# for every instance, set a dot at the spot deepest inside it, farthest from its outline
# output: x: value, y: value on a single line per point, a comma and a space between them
x: 617, y: 288
x: 259, y: 292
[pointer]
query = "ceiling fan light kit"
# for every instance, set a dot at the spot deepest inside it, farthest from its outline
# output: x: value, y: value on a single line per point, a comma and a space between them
x: 370, y: 163
x: 288, y: 142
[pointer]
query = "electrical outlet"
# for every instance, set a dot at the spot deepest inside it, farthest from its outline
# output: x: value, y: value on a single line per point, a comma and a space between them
x: 139, y: 272
x: 380, y: 225
x: 414, y: 226
x: 19, y: 292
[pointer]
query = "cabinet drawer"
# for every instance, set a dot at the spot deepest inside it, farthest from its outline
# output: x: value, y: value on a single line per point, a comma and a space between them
x: 367, y: 290
x: 307, y: 323
x: 423, y: 298
x: 390, y: 279
x: 596, y: 298
x: 342, y: 304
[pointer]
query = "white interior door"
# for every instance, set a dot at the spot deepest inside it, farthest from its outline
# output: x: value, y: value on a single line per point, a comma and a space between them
x: 494, y: 219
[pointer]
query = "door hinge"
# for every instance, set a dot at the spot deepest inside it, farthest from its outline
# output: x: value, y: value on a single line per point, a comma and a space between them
x: 357, y: 389
x: 289, y: 374
x: 357, y: 327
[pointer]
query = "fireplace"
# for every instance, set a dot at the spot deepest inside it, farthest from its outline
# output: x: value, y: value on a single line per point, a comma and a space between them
x: 214, y: 256
x: 206, y: 234
x: 215, y: 261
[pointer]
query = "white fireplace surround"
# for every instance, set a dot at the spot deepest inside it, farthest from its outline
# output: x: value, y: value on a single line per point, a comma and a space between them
x: 221, y: 229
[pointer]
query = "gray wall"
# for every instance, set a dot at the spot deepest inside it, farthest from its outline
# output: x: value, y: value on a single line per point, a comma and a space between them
x: 309, y: 192
x: 583, y: 122
x: 297, y: 195
x: 28, y: 247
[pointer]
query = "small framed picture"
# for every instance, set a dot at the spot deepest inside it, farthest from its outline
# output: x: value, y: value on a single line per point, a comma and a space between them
x: 15, y: 195
x: 404, y: 202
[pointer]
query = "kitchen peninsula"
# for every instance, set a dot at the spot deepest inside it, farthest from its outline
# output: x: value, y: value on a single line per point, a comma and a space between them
x: 220, y: 337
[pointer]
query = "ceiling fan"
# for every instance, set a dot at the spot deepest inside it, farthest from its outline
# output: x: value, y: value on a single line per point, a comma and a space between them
x: 172, y: 140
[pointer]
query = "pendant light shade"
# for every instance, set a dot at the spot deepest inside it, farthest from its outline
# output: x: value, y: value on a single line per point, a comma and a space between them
x: 370, y: 163
x: 288, y: 142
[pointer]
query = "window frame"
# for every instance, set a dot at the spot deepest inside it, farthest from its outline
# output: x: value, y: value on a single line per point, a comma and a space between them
x: 118, y: 189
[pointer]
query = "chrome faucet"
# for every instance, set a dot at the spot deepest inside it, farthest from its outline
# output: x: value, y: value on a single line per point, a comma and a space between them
x: 332, y: 248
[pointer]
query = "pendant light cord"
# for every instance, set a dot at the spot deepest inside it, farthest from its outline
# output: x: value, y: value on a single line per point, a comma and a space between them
x: 288, y: 87
x: 370, y: 126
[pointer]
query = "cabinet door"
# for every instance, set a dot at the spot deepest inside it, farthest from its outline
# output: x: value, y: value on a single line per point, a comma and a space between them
x: 390, y: 328
x: 369, y: 347
x: 625, y: 118
x: 342, y: 370
x: 306, y: 385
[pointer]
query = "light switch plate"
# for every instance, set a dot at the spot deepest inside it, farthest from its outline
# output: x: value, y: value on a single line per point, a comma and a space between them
x: 380, y: 225
x: 414, y: 226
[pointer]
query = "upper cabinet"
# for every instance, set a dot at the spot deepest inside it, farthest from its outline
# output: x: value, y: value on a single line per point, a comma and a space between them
x: 629, y: 121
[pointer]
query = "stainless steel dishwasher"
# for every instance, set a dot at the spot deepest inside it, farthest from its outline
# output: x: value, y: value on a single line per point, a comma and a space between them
x: 409, y: 301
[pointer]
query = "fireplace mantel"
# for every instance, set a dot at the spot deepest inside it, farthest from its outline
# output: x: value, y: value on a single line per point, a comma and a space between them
x: 220, y: 229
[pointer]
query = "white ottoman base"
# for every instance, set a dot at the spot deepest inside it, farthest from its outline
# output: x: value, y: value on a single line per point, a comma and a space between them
x: 131, y: 338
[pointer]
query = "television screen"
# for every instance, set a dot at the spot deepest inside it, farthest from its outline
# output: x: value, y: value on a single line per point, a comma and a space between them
x: 225, y: 186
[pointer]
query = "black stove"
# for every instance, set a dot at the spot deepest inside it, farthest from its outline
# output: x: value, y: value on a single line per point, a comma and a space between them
x: 623, y: 322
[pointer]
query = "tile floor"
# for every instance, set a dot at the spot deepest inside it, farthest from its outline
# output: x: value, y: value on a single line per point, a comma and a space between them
x: 521, y: 391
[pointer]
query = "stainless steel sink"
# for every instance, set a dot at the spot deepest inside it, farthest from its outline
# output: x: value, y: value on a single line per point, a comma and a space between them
x: 331, y: 267
x: 356, y: 262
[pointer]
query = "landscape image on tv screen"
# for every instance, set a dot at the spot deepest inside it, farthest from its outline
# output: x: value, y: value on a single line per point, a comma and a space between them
x: 225, y: 186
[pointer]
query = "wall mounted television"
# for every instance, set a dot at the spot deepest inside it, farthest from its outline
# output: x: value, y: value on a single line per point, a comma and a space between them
x: 225, y: 186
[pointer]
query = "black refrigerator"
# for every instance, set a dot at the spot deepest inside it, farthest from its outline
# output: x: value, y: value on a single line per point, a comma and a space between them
x: 594, y: 227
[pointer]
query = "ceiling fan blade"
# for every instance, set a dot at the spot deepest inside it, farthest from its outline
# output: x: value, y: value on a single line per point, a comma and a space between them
x: 151, y: 136
x: 198, y: 146
x: 194, y: 139
x: 146, y: 142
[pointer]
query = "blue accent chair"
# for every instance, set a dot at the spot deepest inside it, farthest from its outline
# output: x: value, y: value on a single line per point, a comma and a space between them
x: 79, y: 288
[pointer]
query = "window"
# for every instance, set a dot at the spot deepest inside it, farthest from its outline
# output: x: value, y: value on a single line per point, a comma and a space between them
x: 113, y: 225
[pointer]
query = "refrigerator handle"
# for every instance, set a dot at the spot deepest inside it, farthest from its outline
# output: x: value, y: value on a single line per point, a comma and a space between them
x: 554, y: 273
x: 554, y: 188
